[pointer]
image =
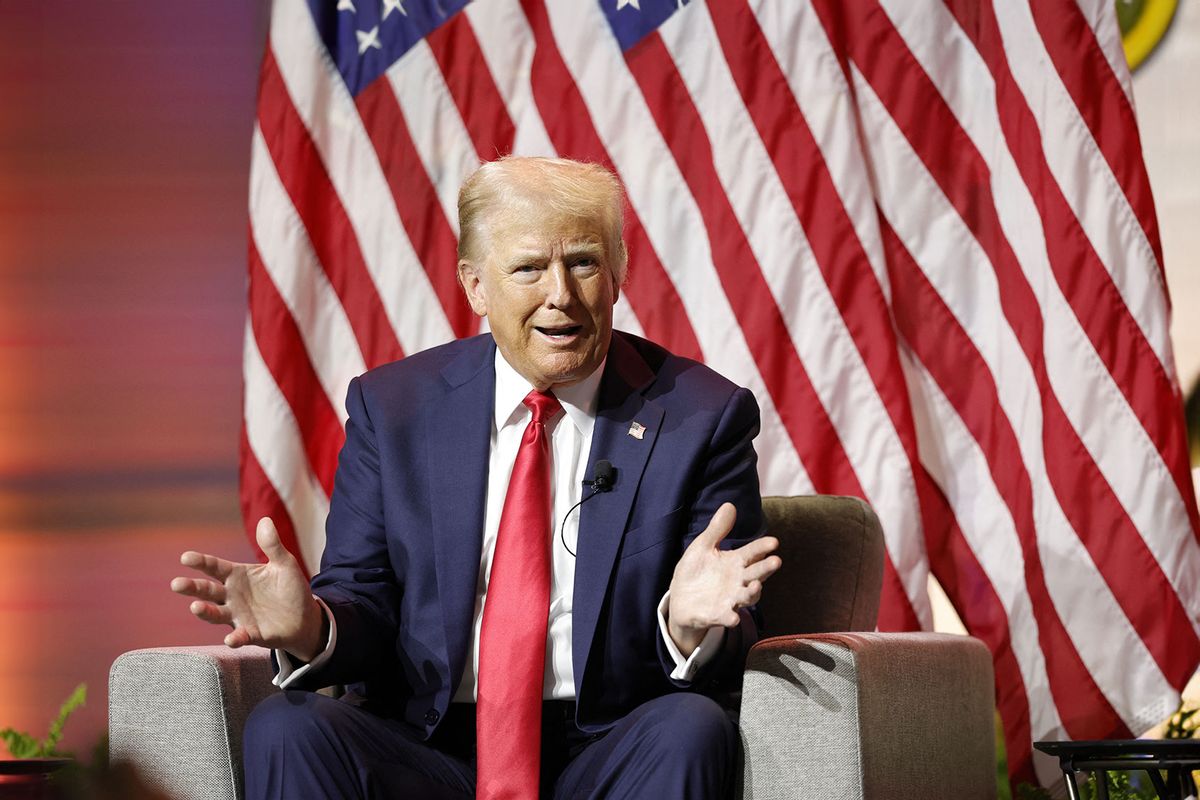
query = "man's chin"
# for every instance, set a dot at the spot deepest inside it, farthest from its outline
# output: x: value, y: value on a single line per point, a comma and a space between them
x: 560, y: 374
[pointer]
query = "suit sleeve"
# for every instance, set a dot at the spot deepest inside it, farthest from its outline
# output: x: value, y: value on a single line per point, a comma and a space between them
x: 356, y: 581
x: 728, y: 474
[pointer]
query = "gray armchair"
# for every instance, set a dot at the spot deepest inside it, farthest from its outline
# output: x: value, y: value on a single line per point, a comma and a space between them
x: 827, y: 712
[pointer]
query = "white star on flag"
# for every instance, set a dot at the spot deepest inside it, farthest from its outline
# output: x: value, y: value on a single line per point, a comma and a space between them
x: 368, y: 39
x: 622, y: 3
x: 347, y: 5
x: 393, y: 5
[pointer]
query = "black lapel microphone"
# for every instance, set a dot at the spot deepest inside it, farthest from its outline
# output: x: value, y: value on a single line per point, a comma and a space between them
x: 606, y: 477
x: 603, y: 480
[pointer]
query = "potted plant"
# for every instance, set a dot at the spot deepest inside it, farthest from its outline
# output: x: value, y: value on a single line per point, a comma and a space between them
x: 26, y: 774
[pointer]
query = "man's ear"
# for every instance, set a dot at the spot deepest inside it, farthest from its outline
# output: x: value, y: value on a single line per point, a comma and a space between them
x: 469, y: 280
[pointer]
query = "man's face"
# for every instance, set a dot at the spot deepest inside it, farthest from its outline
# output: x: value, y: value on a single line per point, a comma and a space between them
x: 546, y: 287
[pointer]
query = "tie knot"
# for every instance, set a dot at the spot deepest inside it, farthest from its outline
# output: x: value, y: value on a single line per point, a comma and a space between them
x: 544, y: 405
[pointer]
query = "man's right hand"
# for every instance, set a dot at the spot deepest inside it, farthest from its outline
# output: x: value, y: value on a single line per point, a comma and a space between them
x: 266, y: 604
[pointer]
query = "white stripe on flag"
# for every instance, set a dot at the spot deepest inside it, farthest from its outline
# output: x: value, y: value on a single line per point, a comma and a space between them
x: 329, y: 113
x: 507, y: 45
x: 1102, y: 17
x: 276, y: 443
x: 672, y: 222
x: 826, y: 349
x: 1086, y: 180
x: 942, y: 247
x: 801, y: 47
x: 959, y: 466
x: 1098, y: 412
x: 289, y: 260
x: 435, y: 125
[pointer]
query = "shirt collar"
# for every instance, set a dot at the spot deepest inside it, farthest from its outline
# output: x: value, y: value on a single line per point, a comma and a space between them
x: 578, y: 401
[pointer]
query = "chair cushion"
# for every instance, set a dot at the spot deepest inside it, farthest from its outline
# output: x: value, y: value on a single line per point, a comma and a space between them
x: 832, y: 551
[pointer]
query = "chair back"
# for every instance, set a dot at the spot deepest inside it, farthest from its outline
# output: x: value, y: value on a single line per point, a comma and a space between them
x: 832, y: 551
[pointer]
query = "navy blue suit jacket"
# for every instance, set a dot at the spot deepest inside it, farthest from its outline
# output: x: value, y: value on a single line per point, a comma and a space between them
x: 406, y: 518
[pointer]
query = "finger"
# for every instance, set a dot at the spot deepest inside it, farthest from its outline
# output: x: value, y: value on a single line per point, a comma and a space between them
x: 204, y: 590
x: 211, y: 612
x: 211, y: 566
x: 761, y: 570
x: 718, y: 527
x: 238, y: 637
x: 268, y: 540
x: 757, y: 549
x: 751, y: 593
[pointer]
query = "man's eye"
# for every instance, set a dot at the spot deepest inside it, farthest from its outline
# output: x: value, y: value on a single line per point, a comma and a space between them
x: 526, y: 268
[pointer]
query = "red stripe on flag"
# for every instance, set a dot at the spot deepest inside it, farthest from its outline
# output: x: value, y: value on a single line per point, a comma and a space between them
x: 1130, y: 569
x: 1096, y: 92
x: 1084, y: 281
x: 473, y: 88
x: 801, y: 167
x: 259, y: 499
x: 283, y: 351
x: 971, y: 593
x: 914, y: 103
x: 649, y: 290
x: 416, y: 201
x: 895, y: 609
x: 948, y: 353
x: 320, y: 210
x: 808, y: 425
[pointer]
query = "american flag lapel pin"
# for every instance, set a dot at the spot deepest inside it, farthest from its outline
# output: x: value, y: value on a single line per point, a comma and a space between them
x: 637, y: 430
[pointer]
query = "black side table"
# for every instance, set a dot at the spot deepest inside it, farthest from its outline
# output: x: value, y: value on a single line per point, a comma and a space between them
x: 1177, y: 757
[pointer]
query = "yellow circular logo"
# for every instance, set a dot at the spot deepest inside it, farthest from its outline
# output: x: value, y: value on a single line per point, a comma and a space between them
x: 1143, y: 23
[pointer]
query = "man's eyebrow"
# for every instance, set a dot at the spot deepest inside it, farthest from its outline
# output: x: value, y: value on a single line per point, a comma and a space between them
x: 528, y: 254
x: 525, y: 255
x: 583, y: 248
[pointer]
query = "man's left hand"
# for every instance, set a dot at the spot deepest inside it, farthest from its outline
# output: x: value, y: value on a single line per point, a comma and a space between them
x: 710, y: 584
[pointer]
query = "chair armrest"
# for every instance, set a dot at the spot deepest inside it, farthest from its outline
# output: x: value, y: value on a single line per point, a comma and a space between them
x: 868, y: 715
x: 177, y: 713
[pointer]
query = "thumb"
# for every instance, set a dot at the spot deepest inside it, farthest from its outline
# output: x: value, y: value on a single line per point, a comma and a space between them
x: 719, y: 526
x: 268, y: 541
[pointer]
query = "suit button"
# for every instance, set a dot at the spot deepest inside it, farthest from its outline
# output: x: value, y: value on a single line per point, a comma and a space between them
x: 432, y: 716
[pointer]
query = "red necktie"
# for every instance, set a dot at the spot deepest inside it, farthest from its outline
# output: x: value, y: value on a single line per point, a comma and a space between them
x: 512, y: 643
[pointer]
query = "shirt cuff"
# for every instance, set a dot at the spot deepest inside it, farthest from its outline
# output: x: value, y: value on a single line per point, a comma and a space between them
x: 710, y: 645
x: 291, y: 669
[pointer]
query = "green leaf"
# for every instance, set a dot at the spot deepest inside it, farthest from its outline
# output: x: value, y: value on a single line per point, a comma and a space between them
x: 77, y: 699
x: 21, y: 745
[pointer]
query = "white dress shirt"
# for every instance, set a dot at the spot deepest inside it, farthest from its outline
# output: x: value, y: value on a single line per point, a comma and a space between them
x: 570, y: 443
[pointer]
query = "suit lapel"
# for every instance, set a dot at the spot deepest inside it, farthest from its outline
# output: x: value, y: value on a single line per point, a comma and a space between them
x: 458, y: 436
x: 602, y: 520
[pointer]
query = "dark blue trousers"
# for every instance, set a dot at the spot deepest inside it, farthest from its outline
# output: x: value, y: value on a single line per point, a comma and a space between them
x: 305, y: 745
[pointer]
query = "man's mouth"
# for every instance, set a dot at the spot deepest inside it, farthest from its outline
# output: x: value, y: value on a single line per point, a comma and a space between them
x: 560, y: 332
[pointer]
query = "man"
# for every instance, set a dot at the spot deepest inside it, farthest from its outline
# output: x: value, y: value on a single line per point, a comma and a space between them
x: 501, y: 627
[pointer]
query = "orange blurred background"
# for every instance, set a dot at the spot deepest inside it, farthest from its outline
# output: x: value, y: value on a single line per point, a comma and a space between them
x: 124, y: 154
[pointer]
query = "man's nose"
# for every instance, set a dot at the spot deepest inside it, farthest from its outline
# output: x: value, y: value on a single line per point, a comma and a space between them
x: 560, y: 289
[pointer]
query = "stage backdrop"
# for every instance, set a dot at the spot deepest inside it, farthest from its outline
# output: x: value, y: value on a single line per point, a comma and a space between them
x: 124, y: 153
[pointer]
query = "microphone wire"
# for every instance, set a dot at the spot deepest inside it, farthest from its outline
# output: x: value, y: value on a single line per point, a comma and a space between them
x: 562, y: 531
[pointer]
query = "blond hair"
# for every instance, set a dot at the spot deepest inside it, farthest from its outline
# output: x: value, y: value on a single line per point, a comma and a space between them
x: 574, y: 189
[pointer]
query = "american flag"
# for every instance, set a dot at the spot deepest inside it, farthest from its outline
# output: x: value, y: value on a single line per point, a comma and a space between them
x: 921, y: 231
